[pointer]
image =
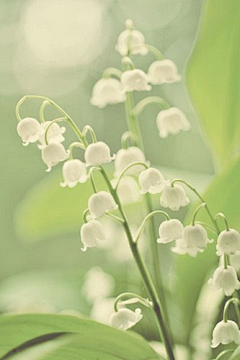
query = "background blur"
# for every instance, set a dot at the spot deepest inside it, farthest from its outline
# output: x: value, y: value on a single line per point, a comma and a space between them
x: 59, y: 49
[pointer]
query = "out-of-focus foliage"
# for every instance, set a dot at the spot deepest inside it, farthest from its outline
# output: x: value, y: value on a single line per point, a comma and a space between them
x: 213, y: 77
x: 82, y: 338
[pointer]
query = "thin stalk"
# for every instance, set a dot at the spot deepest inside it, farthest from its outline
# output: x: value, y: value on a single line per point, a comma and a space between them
x: 147, y: 280
x: 132, y: 122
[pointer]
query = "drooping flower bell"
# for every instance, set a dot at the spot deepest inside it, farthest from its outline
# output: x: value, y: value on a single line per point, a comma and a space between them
x: 228, y: 242
x: 29, y: 130
x: 128, y: 190
x: 170, y: 230
x: 126, y: 157
x: 173, y: 197
x: 100, y: 203
x: 107, y: 91
x: 124, y: 318
x: 131, y: 41
x: 225, y: 333
x: 54, y: 133
x: 225, y: 279
x: 194, y: 240
x: 91, y: 233
x: 97, y: 154
x: 135, y: 79
x: 171, y: 121
x: 74, y: 171
x: 163, y: 71
x: 151, y: 181
x: 53, y: 153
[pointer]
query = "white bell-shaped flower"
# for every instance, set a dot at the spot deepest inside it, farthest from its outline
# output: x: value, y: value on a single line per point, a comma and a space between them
x: 53, y: 153
x: 194, y: 240
x: 151, y: 181
x: 225, y: 279
x: 163, y: 71
x: 97, y: 154
x: 29, y: 130
x: 91, y: 233
x: 74, y: 171
x: 173, y: 197
x: 135, y: 79
x: 170, y: 230
x: 228, y: 242
x: 171, y: 122
x: 131, y: 41
x: 128, y: 190
x: 54, y: 134
x: 126, y: 157
x: 235, y: 260
x: 225, y: 333
x: 97, y: 283
x: 100, y: 203
x: 124, y: 318
x: 107, y: 91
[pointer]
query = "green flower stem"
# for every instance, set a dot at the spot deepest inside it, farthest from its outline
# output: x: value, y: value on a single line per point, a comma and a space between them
x: 149, y: 100
x: 157, y: 53
x: 148, y: 283
x: 89, y: 129
x: 92, y: 179
x: 63, y: 112
x: 224, y: 219
x: 85, y: 213
x: 132, y: 121
x: 225, y: 260
x: 126, y: 139
x: 114, y: 217
x: 236, y: 306
x: 41, y: 111
x: 134, y: 298
x: 201, y: 198
x: 226, y: 306
x: 127, y: 168
x: 48, y: 127
x: 149, y: 216
x: 224, y: 353
x: 196, y: 212
x: 72, y: 146
x: 111, y: 71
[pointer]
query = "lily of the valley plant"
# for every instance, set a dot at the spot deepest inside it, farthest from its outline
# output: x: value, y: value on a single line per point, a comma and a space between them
x: 135, y: 179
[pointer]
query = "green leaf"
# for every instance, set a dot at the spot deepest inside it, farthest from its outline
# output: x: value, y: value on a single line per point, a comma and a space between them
x: 213, y: 78
x: 236, y: 354
x: 88, y: 338
x: 223, y: 195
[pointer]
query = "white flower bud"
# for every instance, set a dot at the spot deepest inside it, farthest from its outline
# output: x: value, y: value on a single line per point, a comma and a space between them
x: 98, y: 284
x: 224, y: 333
x: 152, y: 181
x: 126, y: 157
x: 125, y: 319
x: 170, y: 230
x: 171, y: 121
x: 90, y: 233
x: 97, y: 154
x: 74, y: 171
x: 52, y: 154
x: 194, y: 240
x: 128, y: 190
x: 135, y: 80
x: 163, y: 71
x: 99, y: 203
x: 29, y: 130
x: 225, y: 279
x: 228, y: 242
x: 54, y: 134
x: 173, y: 197
x: 107, y: 91
x: 131, y: 41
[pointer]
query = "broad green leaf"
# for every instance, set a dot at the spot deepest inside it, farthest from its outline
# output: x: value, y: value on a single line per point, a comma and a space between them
x: 223, y: 195
x: 91, y: 339
x: 213, y: 78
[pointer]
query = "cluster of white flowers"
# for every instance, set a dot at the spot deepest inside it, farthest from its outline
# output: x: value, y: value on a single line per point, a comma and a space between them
x: 109, y: 90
